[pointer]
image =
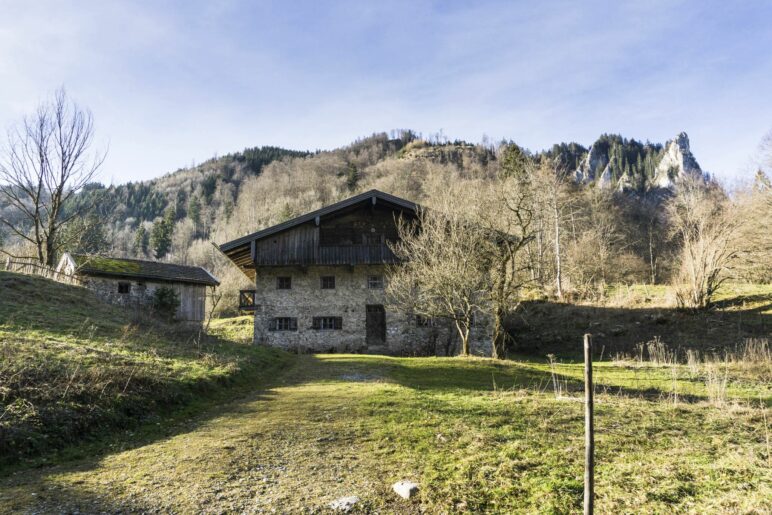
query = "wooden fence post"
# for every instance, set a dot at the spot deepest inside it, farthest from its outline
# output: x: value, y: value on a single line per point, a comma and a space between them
x: 589, y: 429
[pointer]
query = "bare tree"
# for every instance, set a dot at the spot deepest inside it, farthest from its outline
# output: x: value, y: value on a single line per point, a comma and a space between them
x: 551, y: 197
x: 443, y: 271
x: 504, y: 217
x: 215, y: 297
x: 705, y: 225
x: 47, y: 160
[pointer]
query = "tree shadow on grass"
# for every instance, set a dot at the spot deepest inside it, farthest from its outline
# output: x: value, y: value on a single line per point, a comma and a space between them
x: 447, y: 375
x: 539, y: 327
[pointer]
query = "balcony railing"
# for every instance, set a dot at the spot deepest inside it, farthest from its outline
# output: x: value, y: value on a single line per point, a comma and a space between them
x: 327, y: 255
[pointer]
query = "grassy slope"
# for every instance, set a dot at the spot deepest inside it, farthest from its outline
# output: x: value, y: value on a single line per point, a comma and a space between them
x: 236, y: 329
x: 73, y: 368
x: 338, y: 425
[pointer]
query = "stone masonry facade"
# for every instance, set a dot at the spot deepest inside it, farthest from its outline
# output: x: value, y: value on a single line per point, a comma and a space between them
x: 298, y: 310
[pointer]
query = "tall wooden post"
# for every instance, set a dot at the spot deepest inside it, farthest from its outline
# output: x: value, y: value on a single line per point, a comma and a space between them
x: 589, y: 429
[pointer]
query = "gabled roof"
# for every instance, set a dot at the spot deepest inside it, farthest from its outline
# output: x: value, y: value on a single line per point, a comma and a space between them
x: 138, y: 269
x: 372, y: 195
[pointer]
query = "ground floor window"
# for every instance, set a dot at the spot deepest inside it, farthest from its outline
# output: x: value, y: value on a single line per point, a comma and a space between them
x: 283, y: 324
x: 327, y: 323
x: 124, y: 287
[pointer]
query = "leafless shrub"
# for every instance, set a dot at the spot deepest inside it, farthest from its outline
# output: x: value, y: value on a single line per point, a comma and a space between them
x: 659, y: 353
x: 559, y: 387
x: 716, y: 381
x: 755, y: 350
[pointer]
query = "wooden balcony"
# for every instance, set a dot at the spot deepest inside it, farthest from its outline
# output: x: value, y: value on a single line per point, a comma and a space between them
x: 355, y: 255
x: 327, y: 255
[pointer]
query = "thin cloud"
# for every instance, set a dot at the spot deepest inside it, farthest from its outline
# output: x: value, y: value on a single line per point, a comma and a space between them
x: 170, y: 84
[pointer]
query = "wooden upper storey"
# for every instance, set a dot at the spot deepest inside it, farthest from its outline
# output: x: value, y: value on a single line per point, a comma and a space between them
x: 355, y: 231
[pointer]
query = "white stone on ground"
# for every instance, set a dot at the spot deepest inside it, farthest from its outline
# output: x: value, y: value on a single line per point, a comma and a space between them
x: 344, y: 504
x: 405, y: 489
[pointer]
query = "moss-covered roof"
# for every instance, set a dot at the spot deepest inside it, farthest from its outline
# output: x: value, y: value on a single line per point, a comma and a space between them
x: 139, y: 269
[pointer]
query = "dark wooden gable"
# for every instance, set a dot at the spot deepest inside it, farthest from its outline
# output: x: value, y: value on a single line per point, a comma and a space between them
x: 359, y: 235
x: 354, y: 231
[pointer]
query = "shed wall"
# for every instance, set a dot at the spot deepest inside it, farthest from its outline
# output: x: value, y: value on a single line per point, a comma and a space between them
x: 192, y: 296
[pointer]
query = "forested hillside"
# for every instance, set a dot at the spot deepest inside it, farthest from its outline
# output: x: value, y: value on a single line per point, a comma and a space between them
x: 610, y: 196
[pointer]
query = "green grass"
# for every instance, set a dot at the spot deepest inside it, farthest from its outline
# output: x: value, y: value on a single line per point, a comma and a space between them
x: 237, y: 329
x: 477, y: 435
x: 73, y: 368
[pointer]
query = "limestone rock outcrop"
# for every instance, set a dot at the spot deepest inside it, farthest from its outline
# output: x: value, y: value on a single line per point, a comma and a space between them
x: 676, y: 162
x: 595, y: 160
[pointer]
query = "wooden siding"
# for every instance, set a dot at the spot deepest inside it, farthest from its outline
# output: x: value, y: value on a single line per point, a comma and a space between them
x: 192, y: 302
x: 354, y: 238
x: 293, y: 247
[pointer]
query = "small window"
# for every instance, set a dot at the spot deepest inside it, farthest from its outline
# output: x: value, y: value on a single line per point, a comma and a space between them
x: 283, y: 324
x: 327, y: 323
x: 328, y: 282
x: 124, y: 287
x: 247, y: 300
x: 375, y: 282
x: 284, y: 283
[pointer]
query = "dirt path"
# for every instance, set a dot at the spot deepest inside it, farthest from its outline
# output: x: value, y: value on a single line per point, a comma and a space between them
x: 292, y: 448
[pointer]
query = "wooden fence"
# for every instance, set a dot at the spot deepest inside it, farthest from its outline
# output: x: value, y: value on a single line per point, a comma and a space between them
x: 31, y: 267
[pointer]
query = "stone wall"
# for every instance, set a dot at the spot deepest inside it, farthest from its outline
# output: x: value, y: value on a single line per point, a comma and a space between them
x: 306, y: 299
x: 140, y: 296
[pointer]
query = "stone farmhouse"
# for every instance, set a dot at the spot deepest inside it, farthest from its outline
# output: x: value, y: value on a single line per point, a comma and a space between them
x: 320, y: 279
x: 132, y: 282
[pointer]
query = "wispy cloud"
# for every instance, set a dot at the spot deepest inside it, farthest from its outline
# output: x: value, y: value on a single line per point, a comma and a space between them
x: 169, y: 83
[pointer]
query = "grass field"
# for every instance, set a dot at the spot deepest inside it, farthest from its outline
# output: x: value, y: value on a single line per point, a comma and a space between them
x: 477, y: 435
x: 289, y: 433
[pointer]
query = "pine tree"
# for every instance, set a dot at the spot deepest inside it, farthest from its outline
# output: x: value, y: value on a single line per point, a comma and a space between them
x: 194, y: 212
x: 140, y: 241
x: 514, y: 161
x: 161, y: 235
x: 352, y: 176
x: 286, y: 213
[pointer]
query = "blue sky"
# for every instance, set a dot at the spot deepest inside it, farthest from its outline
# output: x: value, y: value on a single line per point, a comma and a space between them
x: 171, y: 83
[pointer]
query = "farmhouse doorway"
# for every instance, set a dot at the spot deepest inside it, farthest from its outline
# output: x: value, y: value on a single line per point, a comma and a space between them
x: 375, y: 325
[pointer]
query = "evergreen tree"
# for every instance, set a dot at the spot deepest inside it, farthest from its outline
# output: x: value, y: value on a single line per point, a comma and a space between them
x: 85, y: 236
x: 194, y: 211
x: 352, y: 176
x: 514, y: 161
x: 140, y: 241
x: 161, y: 235
x: 286, y: 213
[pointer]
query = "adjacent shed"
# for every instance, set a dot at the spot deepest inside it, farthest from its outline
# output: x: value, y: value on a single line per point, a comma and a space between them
x: 133, y: 282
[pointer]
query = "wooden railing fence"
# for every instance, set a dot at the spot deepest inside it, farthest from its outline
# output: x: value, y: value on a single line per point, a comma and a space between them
x: 32, y: 267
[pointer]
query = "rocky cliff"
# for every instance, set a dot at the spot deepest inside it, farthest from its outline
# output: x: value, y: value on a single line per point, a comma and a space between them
x: 677, y: 161
x: 628, y: 165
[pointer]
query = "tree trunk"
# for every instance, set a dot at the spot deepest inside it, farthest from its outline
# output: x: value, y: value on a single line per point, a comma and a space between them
x: 463, y: 333
x: 497, y: 345
x: 558, y: 270
x: 652, y: 259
